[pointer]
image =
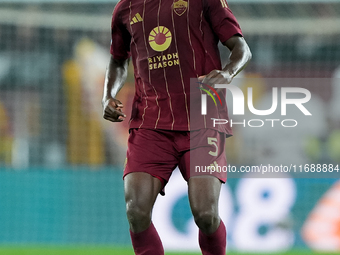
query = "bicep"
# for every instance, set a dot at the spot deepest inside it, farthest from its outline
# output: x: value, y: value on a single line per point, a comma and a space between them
x: 234, y: 41
x: 120, y: 36
x: 118, y: 63
x: 120, y: 44
x: 239, y: 49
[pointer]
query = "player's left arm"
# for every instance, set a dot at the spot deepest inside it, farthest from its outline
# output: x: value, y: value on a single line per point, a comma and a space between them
x: 239, y: 57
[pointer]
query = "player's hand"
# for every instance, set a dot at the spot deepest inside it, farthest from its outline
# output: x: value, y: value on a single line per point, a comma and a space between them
x: 112, y: 110
x: 216, y: 77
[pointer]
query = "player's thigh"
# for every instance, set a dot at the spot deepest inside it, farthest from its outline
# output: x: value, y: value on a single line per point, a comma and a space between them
x: 206, y: 156
x: 141, y: 190
x: 152, y: 152
x: 204, y: 192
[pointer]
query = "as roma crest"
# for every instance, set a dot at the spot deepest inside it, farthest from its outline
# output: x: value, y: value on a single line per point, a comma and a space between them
x: 180, y: 6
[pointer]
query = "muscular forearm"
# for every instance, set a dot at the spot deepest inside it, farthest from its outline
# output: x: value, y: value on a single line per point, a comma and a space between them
x: 115, y: 77
x: 114, y: 80
x: 239, y: 57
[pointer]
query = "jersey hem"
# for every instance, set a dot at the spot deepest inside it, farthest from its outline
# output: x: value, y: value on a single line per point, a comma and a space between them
x: 179, y: 129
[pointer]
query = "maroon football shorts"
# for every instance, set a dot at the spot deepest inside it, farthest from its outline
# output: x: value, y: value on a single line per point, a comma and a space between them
x: 159, y: 152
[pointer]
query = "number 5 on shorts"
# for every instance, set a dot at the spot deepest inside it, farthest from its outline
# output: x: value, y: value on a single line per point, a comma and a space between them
x: 213, y: 141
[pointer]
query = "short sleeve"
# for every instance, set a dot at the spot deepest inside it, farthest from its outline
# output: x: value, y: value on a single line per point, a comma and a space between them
x: 120, y: 36
x: 221, y: 19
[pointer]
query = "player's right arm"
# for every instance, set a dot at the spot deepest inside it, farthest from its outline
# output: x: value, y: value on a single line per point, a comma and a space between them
x: 116, y: 72
x: 115, y: 77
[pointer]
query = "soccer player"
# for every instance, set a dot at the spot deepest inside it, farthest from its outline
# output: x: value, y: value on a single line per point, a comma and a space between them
x: 171, y: 42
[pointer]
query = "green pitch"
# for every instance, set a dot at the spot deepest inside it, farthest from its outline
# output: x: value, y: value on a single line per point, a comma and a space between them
x: 49, y: 250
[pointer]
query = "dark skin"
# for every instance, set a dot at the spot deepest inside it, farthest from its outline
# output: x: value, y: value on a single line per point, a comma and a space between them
x: 141, y: 189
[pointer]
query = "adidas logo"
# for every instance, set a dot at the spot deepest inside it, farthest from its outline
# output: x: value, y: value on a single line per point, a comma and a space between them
x: 137, y: 18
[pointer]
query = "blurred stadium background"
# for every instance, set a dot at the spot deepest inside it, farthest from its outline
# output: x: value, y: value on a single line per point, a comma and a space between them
x: 61, y: 164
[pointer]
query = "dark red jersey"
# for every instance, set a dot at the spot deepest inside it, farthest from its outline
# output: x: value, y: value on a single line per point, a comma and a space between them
x: 170, y: 42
